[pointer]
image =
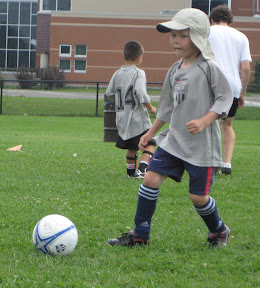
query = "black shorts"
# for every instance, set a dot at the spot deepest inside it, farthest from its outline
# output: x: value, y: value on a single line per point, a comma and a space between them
x: 233, y: 110
x: 132, y: 143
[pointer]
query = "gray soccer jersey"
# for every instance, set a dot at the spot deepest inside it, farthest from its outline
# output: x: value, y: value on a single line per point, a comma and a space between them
x: 128, y: 85
x: 189, y: 94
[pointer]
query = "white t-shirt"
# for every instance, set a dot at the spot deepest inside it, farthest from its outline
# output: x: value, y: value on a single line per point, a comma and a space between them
x: 128, y: 86
x: 230, y: 47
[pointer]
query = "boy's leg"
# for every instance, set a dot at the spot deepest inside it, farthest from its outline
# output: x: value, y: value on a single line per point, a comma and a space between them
x: 168, y: 165
x: 147, y: 199
x: 131, y: 162
x: 146, y: 156
x: 218, y: 232
x: 201, y: 179
x: 207, y: 209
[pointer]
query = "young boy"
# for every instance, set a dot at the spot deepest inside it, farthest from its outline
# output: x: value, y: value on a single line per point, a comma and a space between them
x: 128, y: 88
x: 195, y: 94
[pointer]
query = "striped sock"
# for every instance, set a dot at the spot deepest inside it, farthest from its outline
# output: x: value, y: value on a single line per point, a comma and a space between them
x: 209, y: 214
x: 130, y: 169
x: 147, y: 199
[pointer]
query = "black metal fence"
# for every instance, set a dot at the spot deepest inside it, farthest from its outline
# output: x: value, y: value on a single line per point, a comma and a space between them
x: 74, y: 98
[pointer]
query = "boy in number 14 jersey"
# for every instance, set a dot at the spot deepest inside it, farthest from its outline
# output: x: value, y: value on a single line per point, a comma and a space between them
x: 127, y: 88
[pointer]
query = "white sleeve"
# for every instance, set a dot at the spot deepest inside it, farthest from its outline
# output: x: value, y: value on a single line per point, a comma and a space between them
x: 223, y: 95
x: 140, y: 87
x: 245, y: 53
x: 111, y: 89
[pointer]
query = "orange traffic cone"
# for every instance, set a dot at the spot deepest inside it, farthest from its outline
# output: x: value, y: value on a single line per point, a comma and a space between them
x: 16, y: 148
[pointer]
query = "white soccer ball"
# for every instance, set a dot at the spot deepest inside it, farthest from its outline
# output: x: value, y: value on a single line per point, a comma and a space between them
x: 55, y: 235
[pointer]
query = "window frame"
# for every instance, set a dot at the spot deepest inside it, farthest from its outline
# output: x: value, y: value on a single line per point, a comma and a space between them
x: 56, y: 6
x: 65, y: 70
x: 65, y: 54
x: 209, y: 5
x: 8, y: 38
x: 81, y: 56
x: 257, y: 6
x: 80, y: 71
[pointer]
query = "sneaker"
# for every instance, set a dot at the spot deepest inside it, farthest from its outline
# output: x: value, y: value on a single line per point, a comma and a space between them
x: 219, y: 239
x: 225, y: 170
x: 138, y: 175
x: 128, y: 239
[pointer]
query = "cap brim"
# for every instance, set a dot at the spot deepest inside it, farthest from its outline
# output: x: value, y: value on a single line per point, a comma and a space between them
x: 170, y: 25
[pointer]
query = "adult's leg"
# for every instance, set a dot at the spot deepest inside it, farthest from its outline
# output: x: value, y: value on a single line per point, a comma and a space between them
x: 229, y: 138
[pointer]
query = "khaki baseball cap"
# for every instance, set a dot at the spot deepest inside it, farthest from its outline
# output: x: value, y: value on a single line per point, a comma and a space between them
x: 198, y: 23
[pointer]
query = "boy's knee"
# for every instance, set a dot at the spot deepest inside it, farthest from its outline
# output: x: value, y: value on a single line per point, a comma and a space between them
x: 198, y: 200
x: 152, y: 179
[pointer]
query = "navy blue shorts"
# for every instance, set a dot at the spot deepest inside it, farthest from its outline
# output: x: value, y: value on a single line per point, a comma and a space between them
x: 201, y: 178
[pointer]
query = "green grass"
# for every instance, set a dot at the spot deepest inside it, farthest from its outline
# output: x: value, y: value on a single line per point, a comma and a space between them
x: 38, y: 106
x: 87, y: 87
x: 44, y: 106
x: 91, y: 189
x: 51, y: 106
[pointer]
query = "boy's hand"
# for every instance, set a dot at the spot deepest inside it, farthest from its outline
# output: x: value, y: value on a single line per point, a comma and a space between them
x: 195, y: 126
x: 153, y: 110
x: 144, y: 141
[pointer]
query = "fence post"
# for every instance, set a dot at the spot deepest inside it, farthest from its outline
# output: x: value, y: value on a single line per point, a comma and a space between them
x: 1, y: 97
x: 110, y: 129
x: 97, y: 99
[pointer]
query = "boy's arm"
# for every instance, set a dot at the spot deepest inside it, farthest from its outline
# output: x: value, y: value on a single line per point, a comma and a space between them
x: 197, y: 125
x: 150, y: 108
x: 150, y: 134
x: 244, y: 76
x: 109, y: 96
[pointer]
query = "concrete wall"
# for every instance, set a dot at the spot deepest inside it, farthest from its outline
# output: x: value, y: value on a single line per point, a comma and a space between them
x: 142, y: 7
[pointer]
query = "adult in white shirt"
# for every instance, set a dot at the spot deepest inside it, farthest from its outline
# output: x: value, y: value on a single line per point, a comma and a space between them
x: 232, y: 54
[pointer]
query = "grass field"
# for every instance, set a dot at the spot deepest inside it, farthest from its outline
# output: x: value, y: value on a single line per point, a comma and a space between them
x: 29, y: 103
x: 66, y: 168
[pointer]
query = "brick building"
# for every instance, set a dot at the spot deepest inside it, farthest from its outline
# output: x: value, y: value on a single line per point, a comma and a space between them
x: 85, y: 38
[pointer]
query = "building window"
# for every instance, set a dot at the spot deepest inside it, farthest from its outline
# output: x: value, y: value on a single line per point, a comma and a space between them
x: 65, y: 65
x: 81, y: 51
x: 25, y: 13
x: 208, y: 5
x: 80, y: 66
x: 3, y: 7
x: 56, y: 5
x: 17, y: 34
x: 12, y: 59
x: 2, y: 58
x: 65, y: 50
x: 257, y: 6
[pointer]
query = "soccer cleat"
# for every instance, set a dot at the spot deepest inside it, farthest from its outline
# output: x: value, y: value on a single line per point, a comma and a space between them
x: 128, y: 239
x: 138, y: 175
x: 219, y: 239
